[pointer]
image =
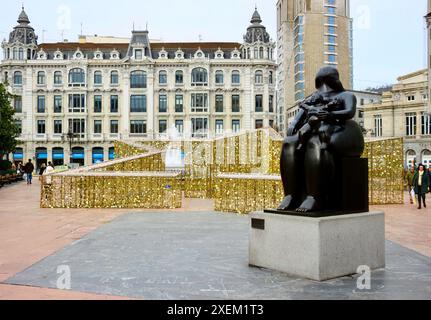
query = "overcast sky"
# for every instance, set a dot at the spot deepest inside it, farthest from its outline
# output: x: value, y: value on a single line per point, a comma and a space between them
x: 389, y: 35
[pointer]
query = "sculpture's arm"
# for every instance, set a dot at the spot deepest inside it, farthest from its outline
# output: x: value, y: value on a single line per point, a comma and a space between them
x: 348, y: 110
x: 297, y: 123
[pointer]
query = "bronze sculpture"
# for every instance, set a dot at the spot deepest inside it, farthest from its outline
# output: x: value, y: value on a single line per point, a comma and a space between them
x: 320, y: 137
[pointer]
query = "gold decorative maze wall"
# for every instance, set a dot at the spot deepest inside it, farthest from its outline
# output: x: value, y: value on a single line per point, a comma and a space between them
x: 240, y: 172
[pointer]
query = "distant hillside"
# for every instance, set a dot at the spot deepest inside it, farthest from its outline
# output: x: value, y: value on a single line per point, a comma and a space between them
x: 380, y: 89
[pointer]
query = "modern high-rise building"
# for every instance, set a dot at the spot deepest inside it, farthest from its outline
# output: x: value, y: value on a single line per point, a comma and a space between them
x: 311, y: 34
x: 72, y: 100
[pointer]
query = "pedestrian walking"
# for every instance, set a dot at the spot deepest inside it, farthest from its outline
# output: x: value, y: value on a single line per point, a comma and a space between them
x: 42, y: 169
x: 429, y: 179
x: 28, y: 170
x: 409, y: 179
x: 49, y: 169
x: 421, y: 183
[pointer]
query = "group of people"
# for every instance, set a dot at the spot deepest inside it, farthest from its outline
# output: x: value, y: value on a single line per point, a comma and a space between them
x: 419, y: 183
x: 28, y: 169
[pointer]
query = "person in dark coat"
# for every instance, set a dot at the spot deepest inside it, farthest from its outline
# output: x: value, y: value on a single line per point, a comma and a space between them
x: 28, y: 170
x: 429, y: 178
x: 421, y: 184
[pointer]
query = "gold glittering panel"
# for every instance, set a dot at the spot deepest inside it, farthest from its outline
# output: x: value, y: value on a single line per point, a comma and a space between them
x: 245, y: 193
x: 147, y: 190
x: 385, y: 158
x: 255, y: 155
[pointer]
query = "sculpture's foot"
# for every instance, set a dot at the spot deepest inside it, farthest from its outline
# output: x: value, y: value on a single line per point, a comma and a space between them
x: 310, y: 204
x: 286, y: 203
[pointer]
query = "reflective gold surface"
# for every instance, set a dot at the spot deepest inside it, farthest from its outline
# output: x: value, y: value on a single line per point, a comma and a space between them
x: 254, y: 154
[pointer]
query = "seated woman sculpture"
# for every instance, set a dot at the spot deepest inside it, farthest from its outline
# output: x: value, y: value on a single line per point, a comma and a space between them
x: 322, y: 133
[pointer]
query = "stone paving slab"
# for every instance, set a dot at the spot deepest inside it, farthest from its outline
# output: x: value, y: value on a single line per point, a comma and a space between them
x: 205, y: 256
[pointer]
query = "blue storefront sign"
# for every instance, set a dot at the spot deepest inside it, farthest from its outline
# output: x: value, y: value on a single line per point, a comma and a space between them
x: 42, y: 156
x: 58, y: 154
x: 78, y: 156
x: 18, y: 155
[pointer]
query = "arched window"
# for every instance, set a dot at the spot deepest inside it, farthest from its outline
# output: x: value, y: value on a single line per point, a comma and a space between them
x: 18, y: 155
x: 58, y: 77
x: 261, y: 53
x: 77, y: 77
x: 219, y: 77
x: 271, y: 77
x: 411, y: 158
x: 8, y: 53
x: 248, y: 53
x: 138, y: 80
x: 98, y: 77
x: 58, y: 156
x: 41, y: 78
x: 258, y: 77
x: 256, y: 53
x: 98, y: 156
x: 179, y: 77
x: 163, y: 77
x: 426, y: 158
x: 21, y: 54
x: 199, y: 77
x: 78, y: 156
x: 236, y: 78
x: 114, y: 77
x: 15, y: 53
x: 111, y: 153
x: 17, y: 78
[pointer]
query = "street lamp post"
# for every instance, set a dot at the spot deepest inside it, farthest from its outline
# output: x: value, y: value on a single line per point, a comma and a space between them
x: 70, y: 137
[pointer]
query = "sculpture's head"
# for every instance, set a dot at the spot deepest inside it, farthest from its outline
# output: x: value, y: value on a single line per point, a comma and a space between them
x: 329, y: 78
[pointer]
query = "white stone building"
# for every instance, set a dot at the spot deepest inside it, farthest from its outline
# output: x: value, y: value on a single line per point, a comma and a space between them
x: 74, y: 99
x: 402, y: 114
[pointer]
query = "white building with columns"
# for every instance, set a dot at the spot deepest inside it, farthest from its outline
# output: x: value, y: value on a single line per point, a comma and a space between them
x: 73, y: 99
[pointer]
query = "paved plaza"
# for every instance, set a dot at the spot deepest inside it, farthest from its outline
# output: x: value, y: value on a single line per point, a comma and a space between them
x: 192, y: 253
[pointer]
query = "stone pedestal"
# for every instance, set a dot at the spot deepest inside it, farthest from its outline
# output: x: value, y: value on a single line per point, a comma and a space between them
x: 317, y: 248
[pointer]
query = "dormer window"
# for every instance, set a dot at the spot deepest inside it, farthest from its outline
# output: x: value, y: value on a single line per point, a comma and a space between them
x: 41, y: 55
x: 58, y: 55
x: 179, y: 54
x: 163, y: 54
x: 98, y: 55
x: 199, y: 54
x: 236, y: 54
x: 219, y: 54
x: 138, y: 54
x: 20, y: 54
x: 115, y: 55
x: 78, y: 54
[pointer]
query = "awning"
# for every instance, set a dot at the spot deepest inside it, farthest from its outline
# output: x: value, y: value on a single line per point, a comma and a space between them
x: 98, y: 156
x: 78, y: 156
x: 18, y: 154
x: 42, y: 156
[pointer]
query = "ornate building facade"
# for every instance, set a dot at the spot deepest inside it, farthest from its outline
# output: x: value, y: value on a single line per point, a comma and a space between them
x: 402, y: 113
x: 72, y: 100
